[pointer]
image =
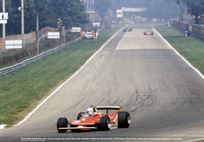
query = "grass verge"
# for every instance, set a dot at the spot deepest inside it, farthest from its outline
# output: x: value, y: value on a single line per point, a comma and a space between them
x: 191, y: 48
x: 20, y: 92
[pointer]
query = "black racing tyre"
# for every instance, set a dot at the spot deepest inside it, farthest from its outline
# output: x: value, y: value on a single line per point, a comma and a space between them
x: 104, y: 124
x: 62, y: 123
x: 79, y: 115
x: 123, y: 120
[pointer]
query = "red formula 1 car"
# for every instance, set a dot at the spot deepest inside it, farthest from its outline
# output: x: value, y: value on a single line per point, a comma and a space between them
x: 148, y: 33
x: 96, y: 118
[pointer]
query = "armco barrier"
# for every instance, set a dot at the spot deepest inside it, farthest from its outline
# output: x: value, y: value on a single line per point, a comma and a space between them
x: 24, y: 63
x: 198, y: 31
x: 181, y: 26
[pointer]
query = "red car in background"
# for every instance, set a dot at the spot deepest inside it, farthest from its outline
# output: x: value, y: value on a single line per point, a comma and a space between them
x: 148, y: 33
x: 99, y: 120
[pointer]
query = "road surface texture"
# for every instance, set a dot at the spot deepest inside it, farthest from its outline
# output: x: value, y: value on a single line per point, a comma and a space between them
x: 164, y: 96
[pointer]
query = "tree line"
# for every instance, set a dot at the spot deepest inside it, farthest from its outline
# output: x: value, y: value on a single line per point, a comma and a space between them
x: 51, y: 13
x: 71, y: 12
x: 194, y: 7
x: 163, y: 9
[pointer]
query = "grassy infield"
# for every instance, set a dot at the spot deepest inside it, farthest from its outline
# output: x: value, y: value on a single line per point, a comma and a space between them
x: 191, y: 48
x: 21, y: 91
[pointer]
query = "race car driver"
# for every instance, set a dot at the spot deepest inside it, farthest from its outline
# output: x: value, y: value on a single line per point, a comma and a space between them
x: 89, y: 112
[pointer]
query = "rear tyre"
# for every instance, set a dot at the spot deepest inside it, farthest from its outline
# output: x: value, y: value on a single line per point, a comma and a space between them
x: 104, y: 124
x: 123, y: 120
x: 62, y: 123
x: 80, y: 115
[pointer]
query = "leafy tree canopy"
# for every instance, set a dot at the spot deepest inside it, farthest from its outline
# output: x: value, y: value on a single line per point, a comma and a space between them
x: 71, y: 13
x: 195, y: 7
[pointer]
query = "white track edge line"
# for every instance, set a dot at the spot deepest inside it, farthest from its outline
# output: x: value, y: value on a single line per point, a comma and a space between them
x: 53, y: 93
x: 184, y: 59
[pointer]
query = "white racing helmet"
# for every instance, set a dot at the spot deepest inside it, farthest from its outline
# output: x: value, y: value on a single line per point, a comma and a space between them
x: 90, y: 111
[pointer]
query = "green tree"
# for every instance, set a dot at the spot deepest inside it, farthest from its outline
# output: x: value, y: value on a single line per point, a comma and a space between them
x: 13, y: 25
x: 195, y: 7
x: 102, y: 7
x: 164, y: 9
x: 71, y: 12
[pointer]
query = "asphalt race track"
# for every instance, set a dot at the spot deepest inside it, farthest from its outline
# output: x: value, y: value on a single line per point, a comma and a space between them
x: 164, y: 96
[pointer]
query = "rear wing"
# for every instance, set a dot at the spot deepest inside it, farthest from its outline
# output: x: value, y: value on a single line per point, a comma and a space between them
x: 107, y: 108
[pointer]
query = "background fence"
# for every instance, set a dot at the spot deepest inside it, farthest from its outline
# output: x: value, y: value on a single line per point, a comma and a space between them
x: 13, y: 56
x: 27, y: 38
x: 24, y: 63
x: 195, y: 29
x: 198, y: 31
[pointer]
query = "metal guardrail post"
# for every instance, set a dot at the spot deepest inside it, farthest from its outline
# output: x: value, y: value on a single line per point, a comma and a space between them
x: 38, y: 43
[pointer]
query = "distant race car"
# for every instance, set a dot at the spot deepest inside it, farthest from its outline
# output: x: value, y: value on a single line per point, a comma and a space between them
x: 95, y: 119
x: 89, y: 35
x: 148, y: 33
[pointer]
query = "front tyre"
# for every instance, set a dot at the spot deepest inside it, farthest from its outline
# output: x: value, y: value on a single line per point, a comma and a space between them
x: 62, y: 123
x: 123, y: 120
x: 80, y: 115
